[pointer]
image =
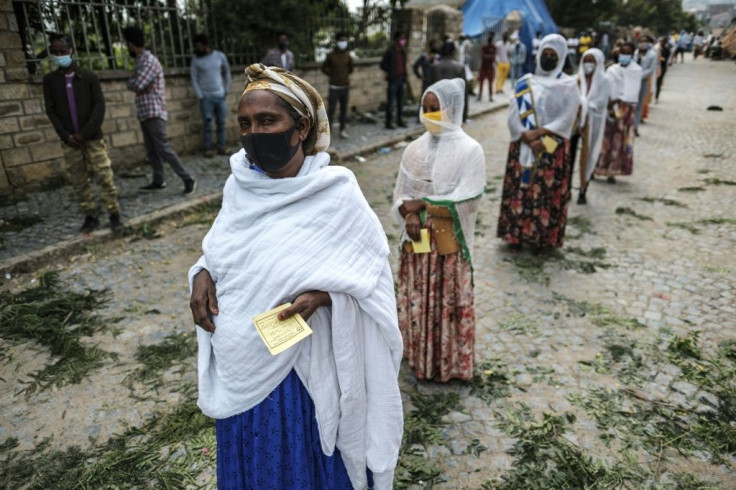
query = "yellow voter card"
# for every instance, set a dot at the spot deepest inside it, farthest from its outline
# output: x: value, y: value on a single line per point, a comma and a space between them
x: 550, y: 144
x: 279, y: 335
x: 422, y: 246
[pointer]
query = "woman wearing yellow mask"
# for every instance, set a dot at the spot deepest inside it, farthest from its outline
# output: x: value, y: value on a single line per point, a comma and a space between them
x: 438, y: 190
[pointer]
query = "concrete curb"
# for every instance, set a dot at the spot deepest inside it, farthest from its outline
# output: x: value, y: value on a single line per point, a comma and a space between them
x: 29, y: 262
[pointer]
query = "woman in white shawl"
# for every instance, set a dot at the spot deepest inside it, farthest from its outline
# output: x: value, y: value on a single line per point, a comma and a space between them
x: 536, y: 187
x: 326, y: 412
x: 594, y: 92
x: 617, y: 151
x: 438, y: 190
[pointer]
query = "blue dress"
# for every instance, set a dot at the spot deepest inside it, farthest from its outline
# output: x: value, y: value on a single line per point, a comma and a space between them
x: 276, y: 445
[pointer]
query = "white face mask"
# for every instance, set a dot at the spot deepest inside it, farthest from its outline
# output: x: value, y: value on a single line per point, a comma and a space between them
x: 588, y: 68
x: 342, y: 45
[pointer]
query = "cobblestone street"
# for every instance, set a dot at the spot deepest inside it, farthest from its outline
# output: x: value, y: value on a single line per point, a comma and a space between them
x: 619, y: 330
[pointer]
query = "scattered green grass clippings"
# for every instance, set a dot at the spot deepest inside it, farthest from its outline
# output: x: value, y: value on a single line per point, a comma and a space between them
x: 546, y: 459
x: 169, y: 451
x: 41, y: 468
x: 422, y: 427
x: 599, y: 314
x: 56, y: 319
x: 703, y: 171
x: 582, y: 224
x: 10, y: 443
x: 586, y: 266
x: 685, y: 226
x: 416, y: 469
x: 491, y: 380
x: 579, y: 308
x: 594, y: 253
x: 475, y: 448
x: 718, y: 221
x: 693, y: 228
x: 637, y: 419
x: 530, y: 268
x: 19, y: 223
x: 621, y: 356
x: 691, y: 189
x: 542, y: 373
x: 717, y: 181
x: 172, y: 352
x: 422, y: 424
x: 632, y: 213
x: 686, y: 481
x: 666, y: 202
x: 519, y: 324
x: 718, y: 269
x: 149, y: 231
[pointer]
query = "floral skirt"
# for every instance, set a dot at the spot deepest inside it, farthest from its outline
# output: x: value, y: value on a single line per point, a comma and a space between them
x: 536, y: 214
x: 617, y: 152
x: 437, y: 314
x: 276, y: 445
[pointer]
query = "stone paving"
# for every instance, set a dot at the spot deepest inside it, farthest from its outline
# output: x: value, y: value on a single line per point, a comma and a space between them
x: 664, y: 268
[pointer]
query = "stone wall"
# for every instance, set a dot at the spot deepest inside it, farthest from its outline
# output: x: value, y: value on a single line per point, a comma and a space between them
x: 31, y: 152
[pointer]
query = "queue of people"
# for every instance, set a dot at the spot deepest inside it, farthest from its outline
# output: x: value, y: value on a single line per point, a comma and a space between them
x: 297, y: 234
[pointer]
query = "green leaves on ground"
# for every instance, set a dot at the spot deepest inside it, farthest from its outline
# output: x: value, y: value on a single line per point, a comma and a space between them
x: 546, y: 457
x: 57, y: 319
x: 168, y: 451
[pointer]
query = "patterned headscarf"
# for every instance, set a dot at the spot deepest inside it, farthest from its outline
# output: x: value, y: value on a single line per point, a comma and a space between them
x: 298, y: 94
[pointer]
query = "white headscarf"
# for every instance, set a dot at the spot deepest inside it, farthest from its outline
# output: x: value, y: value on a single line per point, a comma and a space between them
x: 449, y: 167
x: 625, y: 82
x: 556, y: 98
x: 594, y: 102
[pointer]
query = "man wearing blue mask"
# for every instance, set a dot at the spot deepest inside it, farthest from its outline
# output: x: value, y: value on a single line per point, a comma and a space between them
x: 76, y: 108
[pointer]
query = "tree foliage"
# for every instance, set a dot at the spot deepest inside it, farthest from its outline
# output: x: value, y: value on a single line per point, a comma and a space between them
x: 253, y: 25
x: 659, y: 16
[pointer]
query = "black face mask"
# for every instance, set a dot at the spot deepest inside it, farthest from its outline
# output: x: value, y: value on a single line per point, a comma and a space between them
x: 547, y: 63
x: 270, y: 151
x: 283, y: 46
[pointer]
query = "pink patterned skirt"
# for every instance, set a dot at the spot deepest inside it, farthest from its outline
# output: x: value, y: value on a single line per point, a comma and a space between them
x: 617, y: 152
x: 437, y: 314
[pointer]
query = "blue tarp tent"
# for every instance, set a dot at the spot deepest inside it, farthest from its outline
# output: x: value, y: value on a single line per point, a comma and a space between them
x: 534, y: 17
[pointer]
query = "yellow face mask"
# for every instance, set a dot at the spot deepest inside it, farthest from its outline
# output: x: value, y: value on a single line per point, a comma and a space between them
x: 433, y: 127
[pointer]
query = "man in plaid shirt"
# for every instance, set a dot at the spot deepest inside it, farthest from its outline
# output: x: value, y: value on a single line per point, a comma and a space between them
x: 148, y: 85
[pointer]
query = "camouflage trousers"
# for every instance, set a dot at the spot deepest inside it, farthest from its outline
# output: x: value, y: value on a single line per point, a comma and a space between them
x: 91, y: 160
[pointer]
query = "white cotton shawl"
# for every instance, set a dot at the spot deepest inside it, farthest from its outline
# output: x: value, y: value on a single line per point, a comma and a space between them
x: 449, y: 167
x: 594, y: 103
x: 556, y: 99
x: 625, y: 82
x: 272, y: 240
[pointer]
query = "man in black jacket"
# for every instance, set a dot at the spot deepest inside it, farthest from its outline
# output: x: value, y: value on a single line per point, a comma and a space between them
x: 76, y: 108
x: 448, y: 68
x: 394, y: 64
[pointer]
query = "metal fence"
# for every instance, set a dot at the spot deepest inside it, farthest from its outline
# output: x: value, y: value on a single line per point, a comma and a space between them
x: 95, y: 30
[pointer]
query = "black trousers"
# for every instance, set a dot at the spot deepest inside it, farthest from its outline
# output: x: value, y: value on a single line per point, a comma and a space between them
x: 338, y: 95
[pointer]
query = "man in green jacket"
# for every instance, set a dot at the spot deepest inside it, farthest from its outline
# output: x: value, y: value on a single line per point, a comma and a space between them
x: 76, y: 108
x: 338, y: 66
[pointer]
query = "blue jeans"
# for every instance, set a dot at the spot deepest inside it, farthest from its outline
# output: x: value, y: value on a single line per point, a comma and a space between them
x: 213, y: 108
